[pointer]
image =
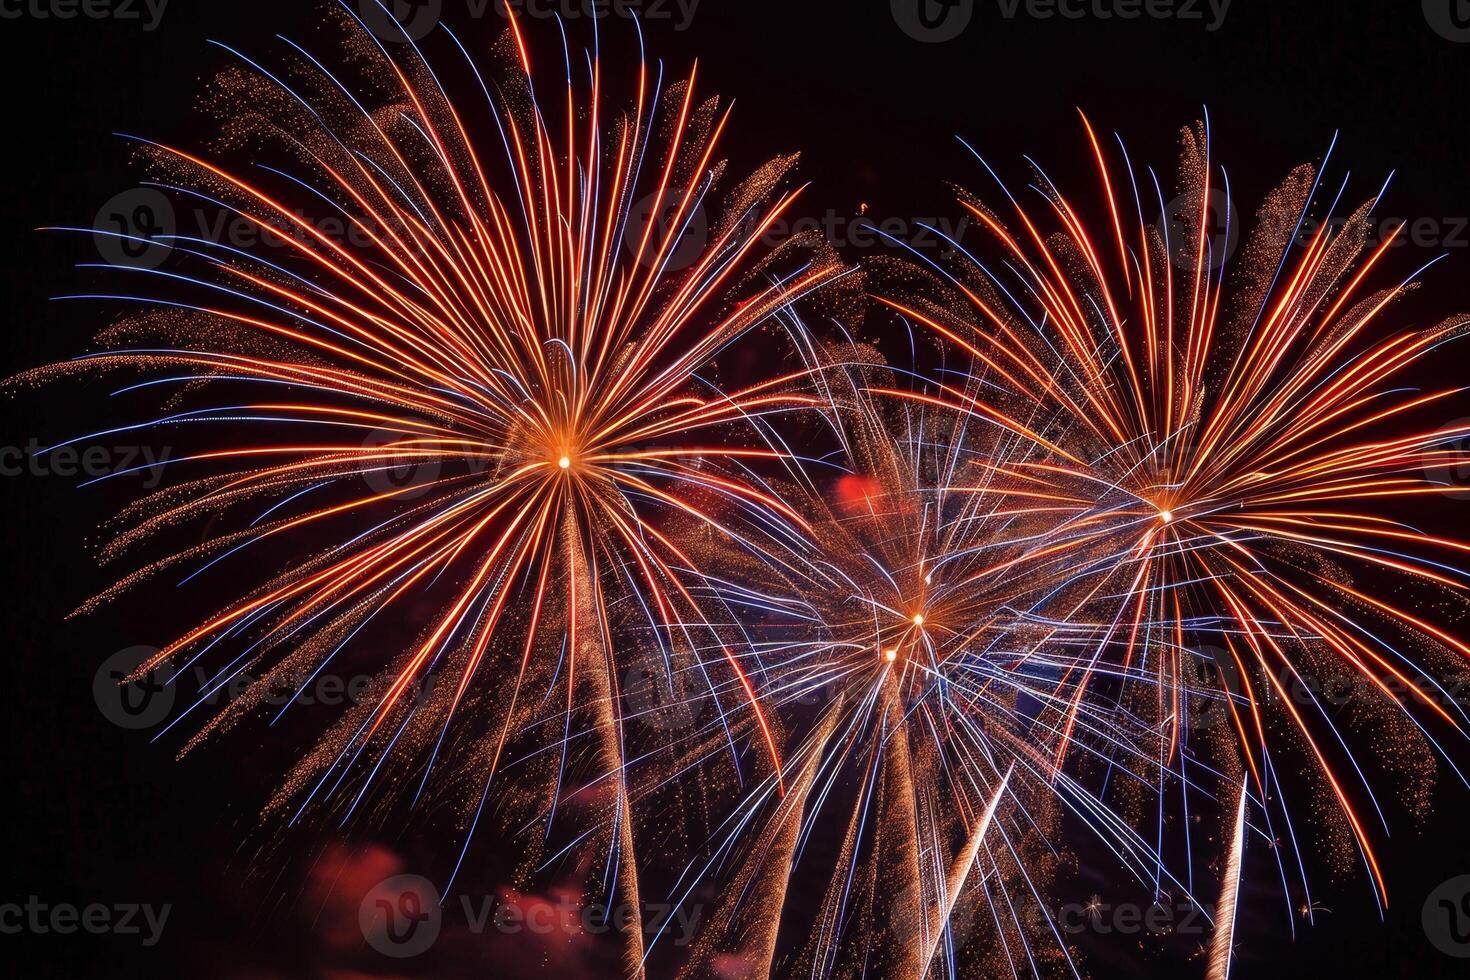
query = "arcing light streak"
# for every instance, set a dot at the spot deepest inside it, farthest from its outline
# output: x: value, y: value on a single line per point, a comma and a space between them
x: 1221, y: 950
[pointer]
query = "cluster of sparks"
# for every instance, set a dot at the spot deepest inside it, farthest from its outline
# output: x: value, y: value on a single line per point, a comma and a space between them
x: 1081, y: 580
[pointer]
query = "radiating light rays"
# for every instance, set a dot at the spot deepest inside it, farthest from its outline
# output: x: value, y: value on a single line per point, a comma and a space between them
x: 487, y: 403
x: 921, y: 787
x: 917, y: 630
x: 1225, y: 448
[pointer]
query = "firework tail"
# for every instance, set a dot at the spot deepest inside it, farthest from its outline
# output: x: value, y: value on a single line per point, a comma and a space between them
x: 592, y: 658
x: 960, y: 873
x: 1229, y: 896
x: 749, y: 920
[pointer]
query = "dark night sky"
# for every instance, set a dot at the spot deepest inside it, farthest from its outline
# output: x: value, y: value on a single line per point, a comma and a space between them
x: 99, y: 815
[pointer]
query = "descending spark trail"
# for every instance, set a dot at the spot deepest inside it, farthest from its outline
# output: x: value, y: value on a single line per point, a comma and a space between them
x: 960, y: 874
x: 1221, y: 950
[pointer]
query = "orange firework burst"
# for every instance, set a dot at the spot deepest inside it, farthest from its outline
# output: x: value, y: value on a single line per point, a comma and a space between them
x: 1222, y: 446
x: 519, y: 325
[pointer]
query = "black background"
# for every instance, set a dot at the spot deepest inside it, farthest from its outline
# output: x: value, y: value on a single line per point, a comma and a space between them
x: 97, y: 814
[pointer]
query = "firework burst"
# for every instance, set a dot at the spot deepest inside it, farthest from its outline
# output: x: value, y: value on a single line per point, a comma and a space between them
x: 1087, y: 582
x: 922, y: 785
x: 489, y: 404
x: 1228, y: 448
